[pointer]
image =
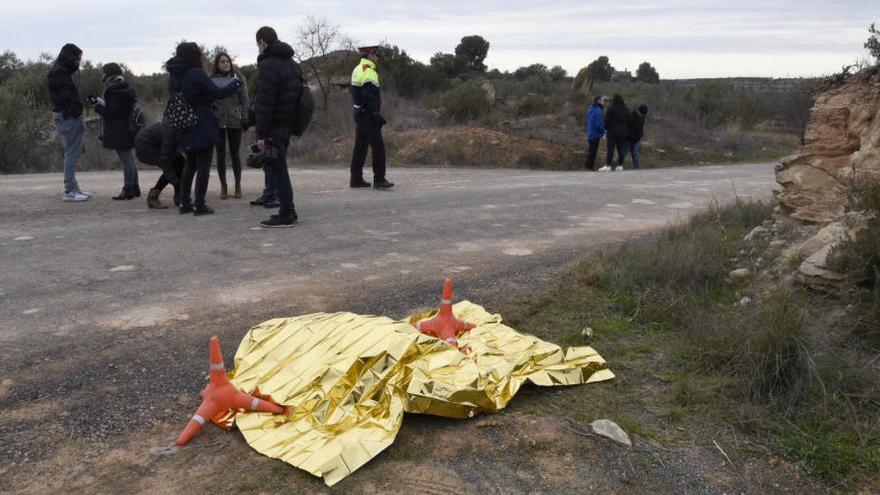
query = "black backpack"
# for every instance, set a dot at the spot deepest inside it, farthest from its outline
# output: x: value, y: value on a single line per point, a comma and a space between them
x: 137, y: 119
x: 179, y: 114
x: 305, y: 110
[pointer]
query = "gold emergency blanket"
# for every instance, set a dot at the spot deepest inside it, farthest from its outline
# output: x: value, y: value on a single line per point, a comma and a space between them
x: 349, y: 378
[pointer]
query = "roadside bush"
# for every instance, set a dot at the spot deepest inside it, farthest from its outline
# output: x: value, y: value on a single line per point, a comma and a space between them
x: 466, y: 102
x: 532, y: 105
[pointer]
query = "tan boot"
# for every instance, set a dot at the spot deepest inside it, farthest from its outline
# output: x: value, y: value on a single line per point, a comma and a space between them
x: 223, y: 193
x: 237, y: 190
x: 153, y: 200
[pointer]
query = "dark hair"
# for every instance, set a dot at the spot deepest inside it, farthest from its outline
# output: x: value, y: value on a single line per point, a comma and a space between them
x: 110, y: 70
x: 190, y: 53
x: 266, y: 35
x: 597, y: 100
x: 617, y: 100
x: 643, y: 109
x: 216, y: 70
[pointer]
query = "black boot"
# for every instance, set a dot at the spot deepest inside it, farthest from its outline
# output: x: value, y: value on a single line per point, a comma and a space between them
x: 124, y: 195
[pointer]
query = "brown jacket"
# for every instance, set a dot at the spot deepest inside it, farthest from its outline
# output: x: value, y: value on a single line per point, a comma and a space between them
x: 232, y: 110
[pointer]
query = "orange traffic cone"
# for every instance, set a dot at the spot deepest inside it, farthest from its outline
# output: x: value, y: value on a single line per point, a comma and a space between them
x: 444, y: 325
x: 220, y: 395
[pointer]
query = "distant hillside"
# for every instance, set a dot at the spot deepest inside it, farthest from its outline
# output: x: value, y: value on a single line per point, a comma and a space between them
x: 764, y: 84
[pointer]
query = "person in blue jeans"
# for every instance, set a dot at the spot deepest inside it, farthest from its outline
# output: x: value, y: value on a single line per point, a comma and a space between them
x: 67, y: 110
x: 269, y: 198
x: 636, y: 129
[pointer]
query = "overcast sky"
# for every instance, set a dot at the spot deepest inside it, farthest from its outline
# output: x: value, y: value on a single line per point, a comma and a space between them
x: 682, y: 39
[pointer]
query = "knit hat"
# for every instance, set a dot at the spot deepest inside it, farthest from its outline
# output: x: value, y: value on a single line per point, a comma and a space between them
x: 643, y: 109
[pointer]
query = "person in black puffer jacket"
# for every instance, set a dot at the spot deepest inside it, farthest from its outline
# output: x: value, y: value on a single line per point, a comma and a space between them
x: 188, y: 77
x: 67, y: 110
x: 279, y: 89
x: 114, y: 107
x: 635, y: 133
x: 616, y: 127
x: 156, y: 145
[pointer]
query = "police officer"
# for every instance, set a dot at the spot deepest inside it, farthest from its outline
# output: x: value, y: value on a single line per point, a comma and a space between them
x: 367, y: 102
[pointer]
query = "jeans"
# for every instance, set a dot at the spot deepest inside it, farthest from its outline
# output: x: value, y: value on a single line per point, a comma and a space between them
x: 633, y: 148
x: 198, y: 163
x: 369, y: 134
x: 71, y: 131
x: 270, y: 192
x: 129, y: 169
x: 592, y: 151
x: 234, y: 138
x: 280, y: 175
x: 618, y: 143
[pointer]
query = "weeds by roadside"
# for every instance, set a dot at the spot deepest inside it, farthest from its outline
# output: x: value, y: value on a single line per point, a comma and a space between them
x: 786, y: 369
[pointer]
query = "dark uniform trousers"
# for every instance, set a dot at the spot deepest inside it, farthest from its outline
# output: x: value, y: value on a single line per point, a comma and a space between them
x: 369, y: 134
x: 278, y: 169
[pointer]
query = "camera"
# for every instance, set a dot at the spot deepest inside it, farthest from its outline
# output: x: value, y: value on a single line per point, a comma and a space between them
x: 92, y: 99
x: 260, y: 157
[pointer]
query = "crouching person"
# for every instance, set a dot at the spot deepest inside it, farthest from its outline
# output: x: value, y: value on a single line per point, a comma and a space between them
x: 156, y: 145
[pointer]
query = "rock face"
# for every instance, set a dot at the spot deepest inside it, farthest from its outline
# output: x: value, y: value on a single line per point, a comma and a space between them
x: 842, y: 143
x: 815, y: 271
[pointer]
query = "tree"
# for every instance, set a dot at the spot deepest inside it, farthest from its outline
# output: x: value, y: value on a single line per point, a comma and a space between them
x: 447, y: 64
x: 409, y: 77
x: 557, y: 73
x: 600, y: 69
x: 316, y: 39
x: 873, y: 43
x: 471, y: 52
x: 538, y: 70
x: 9, y: 63
x: 647, y: 74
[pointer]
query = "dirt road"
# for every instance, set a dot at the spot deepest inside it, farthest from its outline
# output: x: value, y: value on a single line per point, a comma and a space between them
x: 106, y: 307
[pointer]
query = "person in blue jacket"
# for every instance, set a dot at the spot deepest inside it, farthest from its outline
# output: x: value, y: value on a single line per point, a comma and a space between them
x: 188, y: 76
x: 595, y: 124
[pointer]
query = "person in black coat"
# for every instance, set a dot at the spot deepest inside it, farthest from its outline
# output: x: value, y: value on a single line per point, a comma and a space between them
x: 156, y: 145
x: 115, y: 106
x: 188, y: 77
x: 635, y: 132
x: 279, y: 89
x: 67, y: 110
x: 616, y: 128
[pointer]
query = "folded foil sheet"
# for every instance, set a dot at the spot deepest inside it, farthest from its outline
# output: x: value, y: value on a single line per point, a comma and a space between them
x: 348, y: 379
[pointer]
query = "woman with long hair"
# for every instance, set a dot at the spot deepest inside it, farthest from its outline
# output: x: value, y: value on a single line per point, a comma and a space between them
x: 231, y: 113
x: 188, y: 77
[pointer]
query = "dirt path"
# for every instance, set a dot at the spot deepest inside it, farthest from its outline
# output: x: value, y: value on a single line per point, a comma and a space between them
x: 106, y: 310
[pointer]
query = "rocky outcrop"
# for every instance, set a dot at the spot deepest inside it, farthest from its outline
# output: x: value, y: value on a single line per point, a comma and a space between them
x: 816, y: 271
x: 841, y: 144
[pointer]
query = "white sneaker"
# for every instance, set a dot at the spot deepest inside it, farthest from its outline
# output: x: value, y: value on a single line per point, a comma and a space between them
x: 74, y: 196
x: 619, y: 168
x: 606, y: 168
x: 86, y: 193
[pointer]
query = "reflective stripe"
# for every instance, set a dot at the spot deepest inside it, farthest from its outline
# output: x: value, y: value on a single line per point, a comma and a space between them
x: 218, y: 367
x: 419, y: 325
x: 446, y: 301
x: 198, y: 419
x: 255, y: 403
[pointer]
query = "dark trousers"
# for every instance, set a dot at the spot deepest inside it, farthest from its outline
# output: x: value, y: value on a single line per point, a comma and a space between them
x: 233, y: 136
x: 198, y: 164
x: 171, y: 174
x: 620, y: 144
x: 592, y: 151
x: 369, y: 134
x: 280, y: 175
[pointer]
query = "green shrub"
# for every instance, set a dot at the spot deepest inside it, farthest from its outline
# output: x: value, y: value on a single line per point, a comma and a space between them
x: 466, y: 102
x: 532, y: 105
